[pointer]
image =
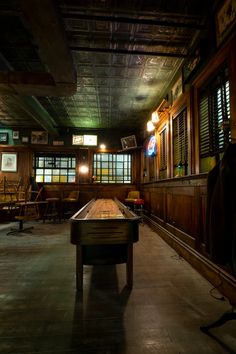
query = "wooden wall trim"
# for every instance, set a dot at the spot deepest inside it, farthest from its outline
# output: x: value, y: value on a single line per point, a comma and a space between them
x: 193, y: 180
x: 219, y: 278
x: 187, y: 239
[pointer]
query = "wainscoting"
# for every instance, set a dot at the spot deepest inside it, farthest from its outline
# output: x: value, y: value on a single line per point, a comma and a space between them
x: 176, y: 209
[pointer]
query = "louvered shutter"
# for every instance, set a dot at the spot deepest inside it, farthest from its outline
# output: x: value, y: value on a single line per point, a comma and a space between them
x: 204, y: 127
x: 214, y: 113
x: 180, y: 139
x: 163, y: 150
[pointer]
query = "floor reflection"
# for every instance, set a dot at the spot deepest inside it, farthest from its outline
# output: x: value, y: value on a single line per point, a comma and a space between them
x: 98, y: 325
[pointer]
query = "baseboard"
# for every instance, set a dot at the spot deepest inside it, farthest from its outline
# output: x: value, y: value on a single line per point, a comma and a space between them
x: 219, y: 278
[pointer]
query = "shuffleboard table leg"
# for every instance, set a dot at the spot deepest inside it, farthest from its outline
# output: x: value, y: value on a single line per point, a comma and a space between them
x: 129, y: 266
x: 79, y: 268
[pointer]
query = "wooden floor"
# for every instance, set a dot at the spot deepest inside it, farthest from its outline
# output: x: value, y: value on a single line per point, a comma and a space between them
x: 41, y: 313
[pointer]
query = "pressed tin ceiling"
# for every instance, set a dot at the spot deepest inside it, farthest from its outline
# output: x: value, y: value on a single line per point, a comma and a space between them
x: 100, y: 64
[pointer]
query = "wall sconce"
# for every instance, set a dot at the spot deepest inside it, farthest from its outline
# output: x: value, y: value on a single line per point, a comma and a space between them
x: 151, y: 123
x: 150, y: 126
x: 155, y: 117
x: 83, y: 169
x: 102, y: 146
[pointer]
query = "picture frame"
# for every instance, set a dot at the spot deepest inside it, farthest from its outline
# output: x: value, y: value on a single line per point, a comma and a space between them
x: 195, y: 59
x: 25, y: 139
x: 77, y: 139
x: 39, y: 137
x: 90, y: 140
x: 225, y: 20
x: 58, y: 142
x: 128, y: 142
x: 15, y: 135
x: 3, y: 138
x: 177, y: 89
x: 8, y: 162
x: 84, y: 140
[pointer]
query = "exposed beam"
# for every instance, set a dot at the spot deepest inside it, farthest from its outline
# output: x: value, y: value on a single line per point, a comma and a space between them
x: 133, y: 20
x: 126, y: 51
x: 46, y: 27
x: 115, y: 40
x: 37, y: 112
x: 33, y: 84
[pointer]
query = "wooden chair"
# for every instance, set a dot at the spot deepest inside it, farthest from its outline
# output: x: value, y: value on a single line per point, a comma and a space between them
x: 9, y: 196
x: 28, y: 211
x: 9, y: 190
x: 131, y: 197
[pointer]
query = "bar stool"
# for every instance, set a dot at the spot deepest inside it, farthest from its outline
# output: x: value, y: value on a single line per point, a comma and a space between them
x: 139, y: 207
x: 53, y: 209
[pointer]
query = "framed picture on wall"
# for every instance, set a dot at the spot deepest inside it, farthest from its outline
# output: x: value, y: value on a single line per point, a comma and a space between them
x: 3, y: 138
x: 58, y: 142
x: 25, y: 139
x: 77, y: 139
x: 225, y: 20
x: 15, y: 134
x: 39, y: 137
x: 194, y: 60
x: 128, y: 142
x: 177, y: 89
x: 8, y: 162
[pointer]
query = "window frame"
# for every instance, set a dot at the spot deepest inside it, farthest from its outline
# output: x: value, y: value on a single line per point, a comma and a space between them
x: 163, y: 153
x: 180, y: 143
x: 214, y: 118
x: 112, y: 176
x: 64, y: 174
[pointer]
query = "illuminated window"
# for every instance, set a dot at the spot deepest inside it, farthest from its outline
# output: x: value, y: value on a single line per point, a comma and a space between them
x: 112, y: 168
x: 54, y: 168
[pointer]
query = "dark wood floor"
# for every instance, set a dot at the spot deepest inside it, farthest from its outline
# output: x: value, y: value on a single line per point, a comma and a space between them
x: 41, y: 313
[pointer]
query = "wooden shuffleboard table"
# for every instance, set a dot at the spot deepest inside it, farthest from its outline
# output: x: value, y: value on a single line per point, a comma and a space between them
x: 104, y: 231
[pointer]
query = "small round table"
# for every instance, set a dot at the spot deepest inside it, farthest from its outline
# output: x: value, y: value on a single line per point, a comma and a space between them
x: 53, y: 209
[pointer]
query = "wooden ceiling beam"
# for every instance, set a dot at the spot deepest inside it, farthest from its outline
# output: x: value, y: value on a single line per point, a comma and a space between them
x: 128, y: 52
x: 33, y: 84
x: 37, y: 112
x: 46, y: 27
x: 188, y: 23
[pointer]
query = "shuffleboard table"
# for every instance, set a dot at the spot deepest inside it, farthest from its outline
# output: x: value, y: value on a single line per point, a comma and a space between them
x: 104, y: 231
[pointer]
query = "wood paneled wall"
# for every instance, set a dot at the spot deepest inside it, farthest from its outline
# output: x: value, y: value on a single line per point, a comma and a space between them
x: 178, y: 205
x: 176, y: 209
x: 88, y: 190
x: 24, y: 163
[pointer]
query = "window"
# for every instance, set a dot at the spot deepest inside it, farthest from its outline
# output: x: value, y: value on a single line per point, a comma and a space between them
x: 112, y: 168
x: 180, y: 144
x: 163, y: 154
x: 55, y: 168
x: 214, y: 112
